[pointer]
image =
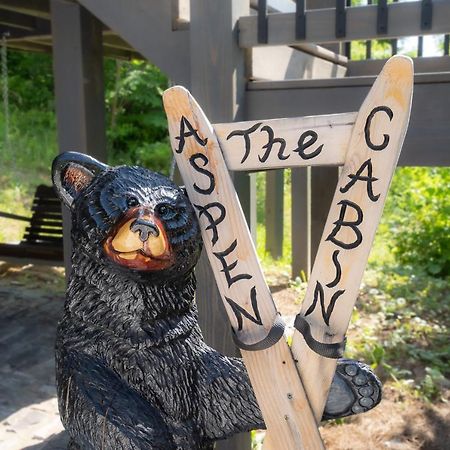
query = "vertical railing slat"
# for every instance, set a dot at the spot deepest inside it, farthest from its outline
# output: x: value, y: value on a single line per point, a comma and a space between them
x: 446, y: 44
x: 369, y: 43
x: 300, y: 20
x: 274, y: 212
x: 263, y: 32
x: 426, y: 16
x: 394, y: 42
x: 340, y: 18
x: 382, y: 17
x: 420, y: 46
x: 348, y: 44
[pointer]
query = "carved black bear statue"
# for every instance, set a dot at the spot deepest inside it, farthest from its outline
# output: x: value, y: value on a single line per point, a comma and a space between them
x: 132, y: 369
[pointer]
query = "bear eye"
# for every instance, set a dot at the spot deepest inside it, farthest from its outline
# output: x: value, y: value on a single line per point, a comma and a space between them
x: 165, y: 211
x: 132, y: 202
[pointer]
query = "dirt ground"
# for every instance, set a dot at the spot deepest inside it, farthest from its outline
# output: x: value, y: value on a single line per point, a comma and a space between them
x: 399, y: 422
x: 30, y: 304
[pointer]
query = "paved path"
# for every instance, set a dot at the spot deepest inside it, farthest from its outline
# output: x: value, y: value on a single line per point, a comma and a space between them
x: 28, y: 406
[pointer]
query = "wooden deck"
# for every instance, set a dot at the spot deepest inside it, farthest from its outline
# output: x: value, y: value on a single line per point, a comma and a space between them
x: 28, y: 406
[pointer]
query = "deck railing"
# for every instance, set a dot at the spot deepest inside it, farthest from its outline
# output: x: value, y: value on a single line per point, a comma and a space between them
x: 377, y: 19
x: 423, y: 10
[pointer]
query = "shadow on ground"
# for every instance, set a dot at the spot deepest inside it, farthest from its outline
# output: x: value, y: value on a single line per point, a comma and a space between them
x: 28, y: 321
x: 55, y: 442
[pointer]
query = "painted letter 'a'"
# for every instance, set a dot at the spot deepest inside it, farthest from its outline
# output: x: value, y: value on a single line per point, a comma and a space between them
x: 184, y: 123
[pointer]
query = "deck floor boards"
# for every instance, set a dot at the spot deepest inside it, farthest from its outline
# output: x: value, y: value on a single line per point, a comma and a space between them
x: 28, y: 407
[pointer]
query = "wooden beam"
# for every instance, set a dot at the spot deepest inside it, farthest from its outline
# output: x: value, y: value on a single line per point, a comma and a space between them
x: 301, y: 222
x: 115, y: 41
x: 427, y: 141
x: 17, y: 20
x: 147, y: 26
x: 118, y: 53
x: 372, y: 67
x: 28, y: 46
x: 274, y: 209
x: 113, y: 46
x: 181, y: 14
x: 404, y: 20
x: 281, y: 143
x: 217, y: 80
x: 36, y: 8
x: 323, y: 185
x: 79, y: 91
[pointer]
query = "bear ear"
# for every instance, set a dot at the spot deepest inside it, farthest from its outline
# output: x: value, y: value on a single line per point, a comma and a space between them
x: 72, y: 172
x: 184, y: 191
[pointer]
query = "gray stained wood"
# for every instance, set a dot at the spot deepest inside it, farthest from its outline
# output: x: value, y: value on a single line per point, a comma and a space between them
x: 147, y: 26
x: 427, y: 141
x: 42, y: 241
x: 361, y: 24
x: 79, y: 88
x: 217, y: 79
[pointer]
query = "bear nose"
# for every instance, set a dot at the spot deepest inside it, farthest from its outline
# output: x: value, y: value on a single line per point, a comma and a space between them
x: 145, y: 228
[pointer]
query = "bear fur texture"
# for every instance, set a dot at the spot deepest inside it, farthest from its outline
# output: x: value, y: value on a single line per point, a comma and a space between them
x: 132, y: 368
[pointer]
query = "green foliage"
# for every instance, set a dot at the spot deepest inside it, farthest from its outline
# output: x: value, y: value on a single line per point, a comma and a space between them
x: 283, y: 264
x: 416, y: 219
x: 30, y: 81
x: 32, y: 141
x: 137, y: 132
x: 136, y: 123
x: 381, y: 49
x: 403, y: 323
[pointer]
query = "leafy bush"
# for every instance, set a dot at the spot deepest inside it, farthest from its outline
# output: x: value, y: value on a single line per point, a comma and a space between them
x: 137, y: 132
x: 136, y: 123
x: 30, y: 81
x: 416, y: 219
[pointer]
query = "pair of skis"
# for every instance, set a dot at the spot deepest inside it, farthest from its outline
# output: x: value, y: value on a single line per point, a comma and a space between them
x: 292, y: 383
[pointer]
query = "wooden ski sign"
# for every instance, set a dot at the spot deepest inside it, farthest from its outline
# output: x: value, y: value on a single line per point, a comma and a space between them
x: 292, y: 384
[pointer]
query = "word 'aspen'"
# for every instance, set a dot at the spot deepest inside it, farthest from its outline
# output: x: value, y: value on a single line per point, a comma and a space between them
x: 245, y: 294
x: 356, y: 209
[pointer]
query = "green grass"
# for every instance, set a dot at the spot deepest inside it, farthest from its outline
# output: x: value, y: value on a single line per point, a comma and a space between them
x: 25, y: 163
x: 401, y: 321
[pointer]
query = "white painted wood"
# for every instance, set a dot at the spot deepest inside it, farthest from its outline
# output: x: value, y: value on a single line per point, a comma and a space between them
x: 404, y: 20
x: 273, y: 373
x: 333, y: 133
x: 306, y: 61
x: 323, y: 53
x: 392, y: 89
x: 276, y: 5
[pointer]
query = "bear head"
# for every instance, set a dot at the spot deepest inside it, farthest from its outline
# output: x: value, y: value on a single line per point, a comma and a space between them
x: 130, y: 219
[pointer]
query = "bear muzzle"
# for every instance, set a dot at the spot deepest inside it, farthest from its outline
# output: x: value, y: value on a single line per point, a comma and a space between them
x: 140, y: 242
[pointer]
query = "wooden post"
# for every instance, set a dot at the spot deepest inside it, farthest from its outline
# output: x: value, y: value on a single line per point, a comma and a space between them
x: 217, y: 74
x: 233, y: 258
x: 78, y: 72
x: 301, y: 222
x: 274, y: 212
x: 356, y: 209
x: 322, y: 187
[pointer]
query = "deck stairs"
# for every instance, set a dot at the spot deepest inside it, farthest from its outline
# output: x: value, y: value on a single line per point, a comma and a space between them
x: 301, y: 77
